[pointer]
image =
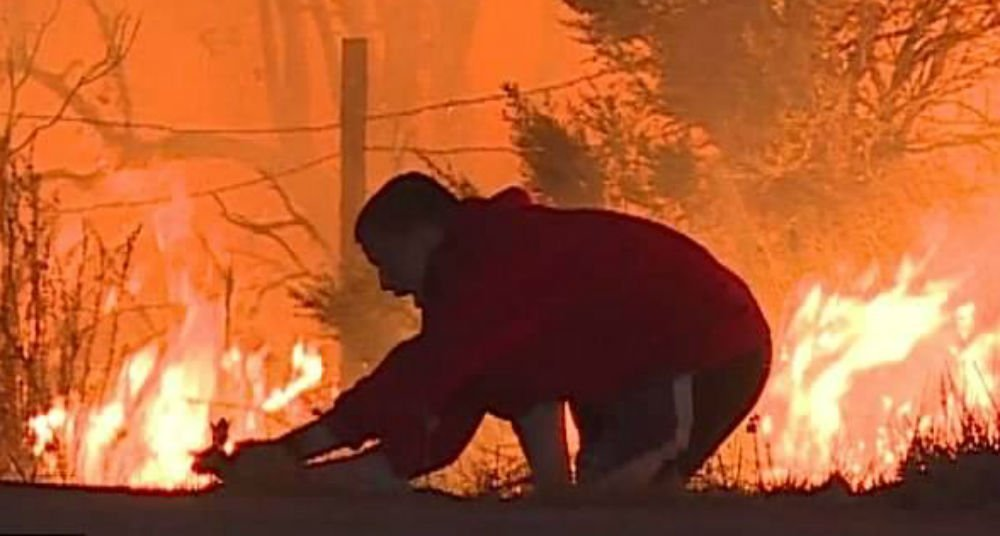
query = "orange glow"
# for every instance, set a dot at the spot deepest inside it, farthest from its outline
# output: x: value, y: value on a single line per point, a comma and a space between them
x: 158, y: 409
x: 861, y: 372
x: 862, y: 365
x: 145, y: 432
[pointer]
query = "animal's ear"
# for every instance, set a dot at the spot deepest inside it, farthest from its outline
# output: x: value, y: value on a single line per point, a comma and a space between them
x: 214, y: 460
x: 220, y: 432
x: 211, y: 461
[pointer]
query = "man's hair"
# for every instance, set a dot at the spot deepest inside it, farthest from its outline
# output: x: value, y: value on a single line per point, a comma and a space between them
x: 406, y: 201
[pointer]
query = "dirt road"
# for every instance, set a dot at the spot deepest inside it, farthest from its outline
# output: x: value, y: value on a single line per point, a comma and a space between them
x: 39, y: 509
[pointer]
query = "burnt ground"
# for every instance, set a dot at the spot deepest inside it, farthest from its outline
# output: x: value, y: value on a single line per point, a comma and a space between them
x: 46, y: 509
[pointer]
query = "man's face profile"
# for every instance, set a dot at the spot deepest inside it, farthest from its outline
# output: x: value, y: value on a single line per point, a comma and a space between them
x: 401, y: 258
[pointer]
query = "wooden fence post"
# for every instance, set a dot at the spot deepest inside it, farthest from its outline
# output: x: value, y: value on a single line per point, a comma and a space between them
x: 353, y: 109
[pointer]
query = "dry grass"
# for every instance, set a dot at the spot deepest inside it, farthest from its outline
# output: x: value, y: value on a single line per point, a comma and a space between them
x: 57, y: 338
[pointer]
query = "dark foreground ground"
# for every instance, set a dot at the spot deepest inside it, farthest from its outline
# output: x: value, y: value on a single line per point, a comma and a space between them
x: 47, y: 510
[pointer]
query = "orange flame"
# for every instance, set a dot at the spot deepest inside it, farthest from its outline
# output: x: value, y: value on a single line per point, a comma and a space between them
x: 157, y: 412
x: 45, y: 426
x: 859, y: 375
x: 156, y: 417
x: 309, y: 368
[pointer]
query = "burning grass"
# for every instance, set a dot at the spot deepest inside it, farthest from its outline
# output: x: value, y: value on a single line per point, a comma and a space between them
x: 847, y: 408
x: 848, y: 405
x: 886, y: 386
x: 100, y: 388
x: 55, y: 317
x: 963, y: 475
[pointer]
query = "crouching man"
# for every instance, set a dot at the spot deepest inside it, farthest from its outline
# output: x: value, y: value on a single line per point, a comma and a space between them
x: 658, y: 349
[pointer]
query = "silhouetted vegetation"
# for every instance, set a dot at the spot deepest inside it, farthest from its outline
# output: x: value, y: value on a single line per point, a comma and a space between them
x: 762, y: 126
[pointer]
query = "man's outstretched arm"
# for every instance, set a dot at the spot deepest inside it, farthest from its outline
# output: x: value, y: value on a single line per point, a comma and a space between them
x: 368, y: 471
x: 311, y: 440
x: 391, y: 464
x: 376, y: 403
x: 365, y: 411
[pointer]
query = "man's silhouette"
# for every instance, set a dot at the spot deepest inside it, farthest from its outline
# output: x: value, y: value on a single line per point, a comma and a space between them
x: 658, y: 349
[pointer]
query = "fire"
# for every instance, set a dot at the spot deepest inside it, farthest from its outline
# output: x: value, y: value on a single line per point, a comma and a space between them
x: 309, y: 369
x: 861, y: 370
x: 859, y: 374
x: 156, y: 413
x: 44, y: 427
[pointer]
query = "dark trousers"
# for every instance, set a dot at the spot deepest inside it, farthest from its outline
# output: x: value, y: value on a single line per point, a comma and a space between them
x: 644, y: 417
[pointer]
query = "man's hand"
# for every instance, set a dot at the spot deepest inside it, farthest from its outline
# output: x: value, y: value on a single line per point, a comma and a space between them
x: 254, y: 464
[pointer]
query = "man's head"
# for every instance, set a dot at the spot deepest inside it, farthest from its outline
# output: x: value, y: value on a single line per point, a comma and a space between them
x: 399, y: 228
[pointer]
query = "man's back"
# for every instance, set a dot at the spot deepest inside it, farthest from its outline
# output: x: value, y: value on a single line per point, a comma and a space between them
x: 576, y: 302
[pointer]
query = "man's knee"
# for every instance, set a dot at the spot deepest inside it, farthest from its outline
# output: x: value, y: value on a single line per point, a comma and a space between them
x: 722, y: 399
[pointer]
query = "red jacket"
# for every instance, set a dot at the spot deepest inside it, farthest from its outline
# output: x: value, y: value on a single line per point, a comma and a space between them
x: 527, y: 304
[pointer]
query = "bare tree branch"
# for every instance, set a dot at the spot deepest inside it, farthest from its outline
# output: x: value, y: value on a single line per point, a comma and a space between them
x: 25, y: 59
x: 60, y: 173
x: 29, y: 60
x: 269, y: 230
x: 297, y: 218
x: 207, y: 192
x: 106, y: 23
x: 275, y: 284
x: 115, y: 53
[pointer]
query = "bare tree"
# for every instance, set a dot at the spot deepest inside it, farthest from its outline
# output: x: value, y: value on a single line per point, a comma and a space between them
x: 50, y: 307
